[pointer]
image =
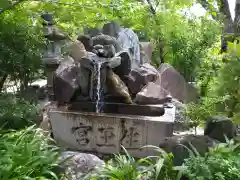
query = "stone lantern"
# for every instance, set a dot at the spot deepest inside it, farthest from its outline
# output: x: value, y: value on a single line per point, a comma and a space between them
x: 52, y: 56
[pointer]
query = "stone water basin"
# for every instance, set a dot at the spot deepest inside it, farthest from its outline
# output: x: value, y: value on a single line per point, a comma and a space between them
x: 78, y: 127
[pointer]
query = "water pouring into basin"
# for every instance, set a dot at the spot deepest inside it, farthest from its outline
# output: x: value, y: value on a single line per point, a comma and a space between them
x: 101, y: 83
x: 97, y: 79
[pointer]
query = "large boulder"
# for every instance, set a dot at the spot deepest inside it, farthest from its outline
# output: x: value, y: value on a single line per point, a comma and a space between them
x: 117, y: 87
x: 180, y: 145
x: 77, y: 50
x: 140, y: 77
x: 86, y: 41
x: 68, y: 78
x: 127, y: 39
x: 80, y: 165
x: 124, y: 68
x: 219, y: 127
x: 172, y: 81
x: 106, y: 40
x: 152, y: 93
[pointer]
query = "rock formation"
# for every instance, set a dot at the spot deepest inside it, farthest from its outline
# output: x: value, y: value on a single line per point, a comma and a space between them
x: 121, y: 80
x: 127, y: 39
x: 180, y: 145
x: 220, y: 128
x: 80, y: 165
x: 175, y: 84
x: 74, y: 76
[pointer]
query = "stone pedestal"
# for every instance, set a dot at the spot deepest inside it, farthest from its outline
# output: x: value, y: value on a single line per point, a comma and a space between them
x: 50, y: 69
x: 52, y: 56
x: 105, y: 133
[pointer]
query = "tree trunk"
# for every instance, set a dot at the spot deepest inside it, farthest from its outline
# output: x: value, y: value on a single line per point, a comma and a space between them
x: 161, y: 51
x: 223, y: 13
x: 2, y: 81
x: 227, y: 22
x: 153, y: 11
x: 237, y: 18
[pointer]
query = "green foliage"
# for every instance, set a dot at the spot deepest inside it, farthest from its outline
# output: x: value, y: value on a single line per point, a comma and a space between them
x: 26, y: 155
x: 209, y: 68
x: 125, y: 167
x: 185, y: 40
x: 225, y: 86
x: 21, y: 45
x: 188, y: 42
x: 228, y: 83
x: 199, y: 112
x: 15, y: 113
x: 221, y: 162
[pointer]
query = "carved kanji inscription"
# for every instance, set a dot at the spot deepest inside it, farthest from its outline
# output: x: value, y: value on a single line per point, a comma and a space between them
x: 83, y: 133
x: 106, y: 136
x: 132, y: 135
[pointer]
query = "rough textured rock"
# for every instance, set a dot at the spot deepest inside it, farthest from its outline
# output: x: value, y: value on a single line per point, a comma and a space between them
x: 68, y: 78
x: 140, y: 77
x: 77, y: 50
x: 124, y: 68
x: 80, y: 165
x: 174, y: 82
x: 117, y: 88
x: 152, y: 94
x: 176, y: 145
x: 218, y: 127
x: 86, y: 41
x: 127, y: 38
x: 129, y: 41
x: 106, y: 40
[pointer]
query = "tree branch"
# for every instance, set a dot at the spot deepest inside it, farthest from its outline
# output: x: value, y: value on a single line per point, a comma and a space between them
x: 12, y: 6
x: 208, y: 7
x: 153, y: 11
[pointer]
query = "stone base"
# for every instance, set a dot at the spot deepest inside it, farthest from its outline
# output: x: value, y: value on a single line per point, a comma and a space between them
x: 105, y: 133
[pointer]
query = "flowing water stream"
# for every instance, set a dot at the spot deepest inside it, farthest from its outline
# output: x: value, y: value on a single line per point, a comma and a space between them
x: 97, y: 79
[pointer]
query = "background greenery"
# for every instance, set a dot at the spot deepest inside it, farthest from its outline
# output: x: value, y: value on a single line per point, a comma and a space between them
x: 193, y: 45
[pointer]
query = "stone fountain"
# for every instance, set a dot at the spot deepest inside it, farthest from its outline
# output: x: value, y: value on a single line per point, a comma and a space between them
x: 95, y: 111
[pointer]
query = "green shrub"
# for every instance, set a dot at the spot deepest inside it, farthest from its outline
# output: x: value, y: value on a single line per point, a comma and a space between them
x: 227, y: 84
x: 221, y: 162
x: 26, y: 154
x: 16, y: 113
x: 199, y: 112
x: 125, y: 167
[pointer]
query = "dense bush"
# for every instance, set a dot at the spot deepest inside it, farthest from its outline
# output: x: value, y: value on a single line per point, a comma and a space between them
x: 26, y: 154
x: 21, y: 46
x: 227, y: 85
x: 220, y: 89
x: 221, y: 162
x: 16, y: 113
x: 125, y: 167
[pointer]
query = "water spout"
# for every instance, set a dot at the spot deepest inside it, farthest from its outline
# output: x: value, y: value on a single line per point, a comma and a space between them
x: 97, y: 79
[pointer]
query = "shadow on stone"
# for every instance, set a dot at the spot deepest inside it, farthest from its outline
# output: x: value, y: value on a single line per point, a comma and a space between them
x: 118, y: 108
